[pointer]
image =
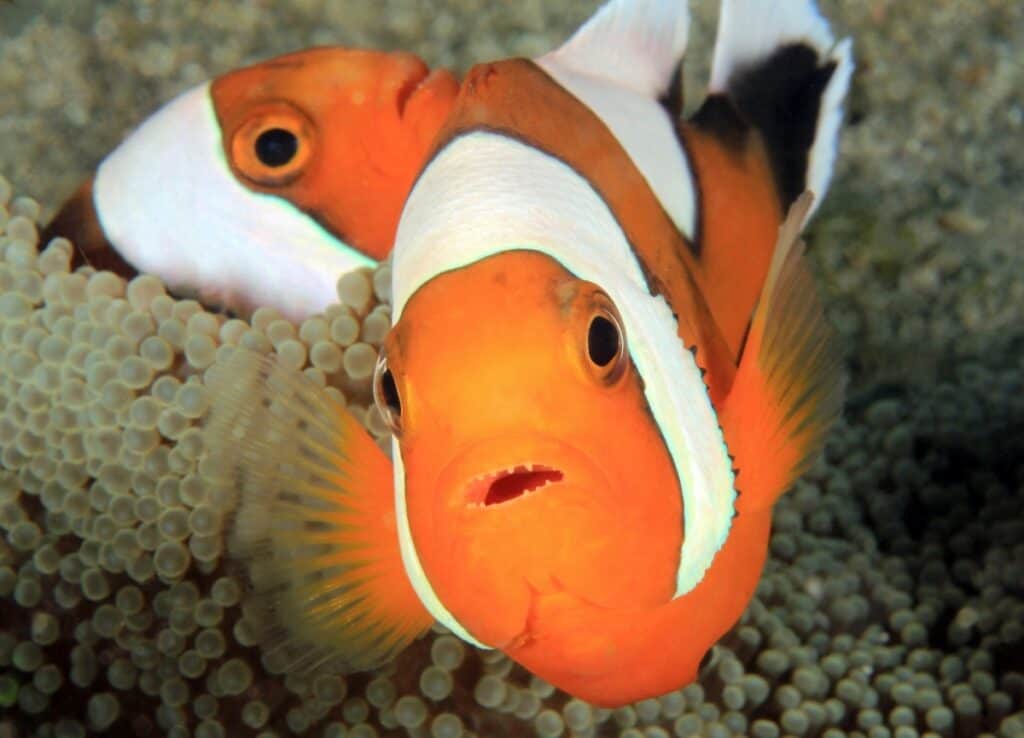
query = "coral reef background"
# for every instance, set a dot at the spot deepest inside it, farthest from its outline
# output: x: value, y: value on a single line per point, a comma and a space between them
x: 893, y: 602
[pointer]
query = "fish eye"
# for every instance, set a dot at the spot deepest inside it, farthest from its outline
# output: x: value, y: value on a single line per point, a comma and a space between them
x: 606, y: 343
x: 602, y: 340
x: 385, y: 394
x: 272, y: 147
x: 275, y: 147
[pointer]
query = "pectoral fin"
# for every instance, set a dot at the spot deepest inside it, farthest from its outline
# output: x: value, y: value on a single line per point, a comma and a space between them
x: 315, y: 523
x: 788, y: 388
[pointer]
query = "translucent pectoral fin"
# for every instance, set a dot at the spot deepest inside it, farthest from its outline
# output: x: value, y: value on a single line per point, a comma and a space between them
x: 789, y: 383
x: 315, y: 523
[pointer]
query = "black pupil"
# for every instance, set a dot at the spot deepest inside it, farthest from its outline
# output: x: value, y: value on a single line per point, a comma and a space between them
x: 389, y: 392
x: 602, y: 341
x: 275, y: 147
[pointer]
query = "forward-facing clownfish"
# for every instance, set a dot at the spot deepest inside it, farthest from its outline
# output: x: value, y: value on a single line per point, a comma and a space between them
x: 608, y: 362
x: 263, y: 186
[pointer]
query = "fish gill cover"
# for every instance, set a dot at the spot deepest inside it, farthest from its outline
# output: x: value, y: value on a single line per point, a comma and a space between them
x: 893, y: 601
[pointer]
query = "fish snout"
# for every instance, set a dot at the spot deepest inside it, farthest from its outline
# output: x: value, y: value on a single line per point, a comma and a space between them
x: 502, y: 520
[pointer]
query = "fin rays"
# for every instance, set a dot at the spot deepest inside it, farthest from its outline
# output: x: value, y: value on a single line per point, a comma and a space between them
x: 789, y: 387
x: 799, y: 354
x: 315, y: 522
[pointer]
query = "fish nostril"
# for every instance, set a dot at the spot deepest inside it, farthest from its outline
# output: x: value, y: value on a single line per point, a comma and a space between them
x: 510, y: 485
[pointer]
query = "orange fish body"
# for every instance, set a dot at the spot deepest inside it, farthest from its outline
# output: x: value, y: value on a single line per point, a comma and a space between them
x: 640, y: 542
x: 266, y: 184
x: 608, y: 359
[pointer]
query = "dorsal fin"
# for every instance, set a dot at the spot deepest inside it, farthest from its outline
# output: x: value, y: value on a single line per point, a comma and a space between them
x: 634, y: 43
x: 778, y: 69
x: 766, y: 133
x: 623, y: 64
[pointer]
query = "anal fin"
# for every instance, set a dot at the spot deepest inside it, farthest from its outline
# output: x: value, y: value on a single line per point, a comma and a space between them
x: 315, y: 524
x: 789, y: 384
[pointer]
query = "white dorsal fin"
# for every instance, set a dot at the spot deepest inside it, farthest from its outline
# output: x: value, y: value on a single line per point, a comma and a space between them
x: 750, y: 31
x: 634, y: 43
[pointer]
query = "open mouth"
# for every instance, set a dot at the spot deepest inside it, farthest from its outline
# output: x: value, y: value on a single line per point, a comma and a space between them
x: 510, y: 484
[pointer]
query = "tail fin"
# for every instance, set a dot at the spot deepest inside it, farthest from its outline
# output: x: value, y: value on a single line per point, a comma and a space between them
x: 789, y: 387
x: 777, y: 67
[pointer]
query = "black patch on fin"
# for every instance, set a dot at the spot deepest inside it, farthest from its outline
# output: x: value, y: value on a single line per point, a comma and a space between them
x: 718, y: 116
x: 780, y: 97
x: 672, y: 100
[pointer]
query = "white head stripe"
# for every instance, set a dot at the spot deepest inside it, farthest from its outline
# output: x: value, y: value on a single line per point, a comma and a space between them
x: 486, y: 194
x: 169, y: 202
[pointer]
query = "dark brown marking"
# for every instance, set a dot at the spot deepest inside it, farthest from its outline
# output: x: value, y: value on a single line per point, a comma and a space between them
x: 78, y: 221
x: 781, y: 98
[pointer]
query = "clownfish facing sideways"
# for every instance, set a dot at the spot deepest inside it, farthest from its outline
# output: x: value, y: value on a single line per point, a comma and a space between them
x: 262, y: 187
x: 608, y: 362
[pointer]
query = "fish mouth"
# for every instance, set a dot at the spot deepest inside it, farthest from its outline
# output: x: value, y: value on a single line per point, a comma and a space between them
x: 512, y: 483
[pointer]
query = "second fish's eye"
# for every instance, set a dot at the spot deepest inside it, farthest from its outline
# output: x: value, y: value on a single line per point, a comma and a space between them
x: 275, y: 147
x: 272, y: 146
x: 385, y: 395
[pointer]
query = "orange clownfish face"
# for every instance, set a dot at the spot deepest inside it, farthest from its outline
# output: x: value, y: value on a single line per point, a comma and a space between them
x: 263, y: 186
x: 530, y: 464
